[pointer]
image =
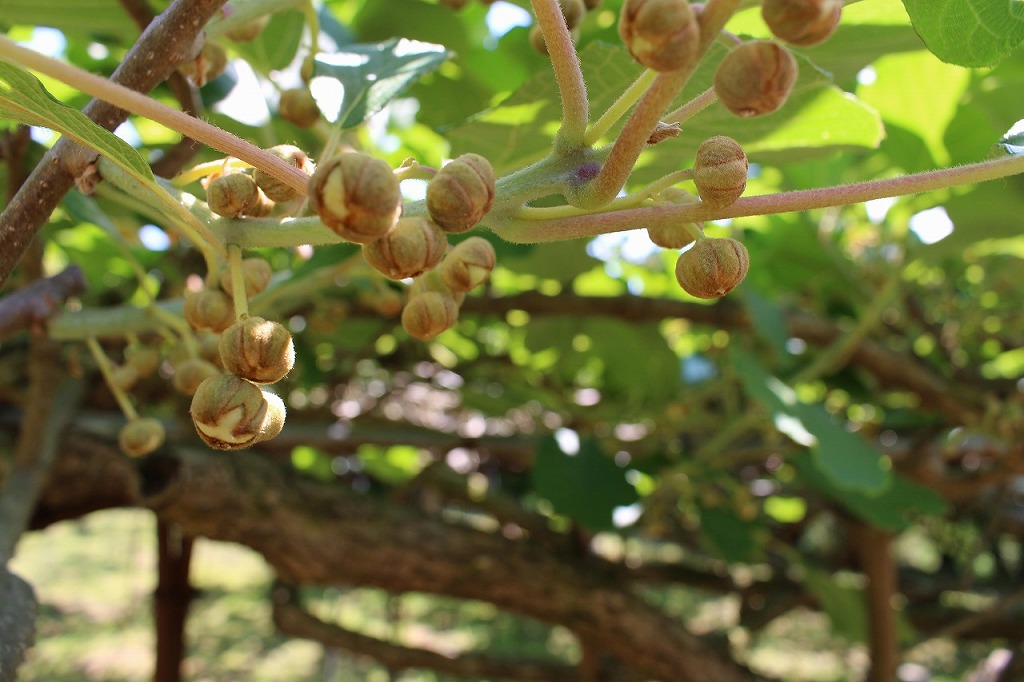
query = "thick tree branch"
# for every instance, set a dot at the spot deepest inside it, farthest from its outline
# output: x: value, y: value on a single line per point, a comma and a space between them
x: 166, y: 43
x: 31, y: 306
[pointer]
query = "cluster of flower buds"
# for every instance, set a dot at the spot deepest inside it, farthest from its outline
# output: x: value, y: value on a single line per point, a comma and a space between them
x: 663, y: 35
x: 236, y: 193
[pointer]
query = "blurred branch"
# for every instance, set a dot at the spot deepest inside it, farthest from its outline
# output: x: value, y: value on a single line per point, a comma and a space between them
x: 292, y: 620
x: 166, y: 43
x: 17, y: 623
x: 874, y: 548
x: 31, y: 306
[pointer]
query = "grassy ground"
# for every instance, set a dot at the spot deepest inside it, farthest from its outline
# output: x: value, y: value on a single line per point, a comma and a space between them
x: 94, y: 579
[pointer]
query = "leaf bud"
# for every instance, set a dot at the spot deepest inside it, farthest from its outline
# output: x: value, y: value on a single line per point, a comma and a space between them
x: 256, y: 272
x: 410, y: 248
x: 461, y: 193
x: 274, y: 188
x: 802, y: 22
x: 258, y: 350
x: 143, y: 359
x: 230, y: 413
x: 208, y: 309
x: 755, y: 78
x: 713, y: 267
x: 663, y: 35
x: 431, y: 281
x: 468, y: 265
x: 427, y: 315
x: 298, y: 106
x: 675, y: 236
x: 720, y: 171
x: 191, y: 372
x: 141, y: 436
x: 357, y: 196
x: 232, y: 194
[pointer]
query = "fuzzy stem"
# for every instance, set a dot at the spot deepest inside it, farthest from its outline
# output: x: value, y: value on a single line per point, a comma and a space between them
x: 693, y: 107
x: 108, y: 375
x: 593, y: 224
x: 619, y: 107
x: 619, y: 203
x: 142, y: 105
x: 568, y: 74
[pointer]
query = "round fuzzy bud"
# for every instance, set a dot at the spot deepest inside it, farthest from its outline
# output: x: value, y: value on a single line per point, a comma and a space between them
x: 191, y: 372
x: 385, y: 301
x: 755, y: 78
x: 208, y: 309
x: 274, y: 421
x: 660, y: 34
x: 243, y: 33
x: 143, y: 359
x: 256, y: 272
x: 675, y: 236
x: 274, y: 188
x: 232, y: 194
x: 720, y: 171
x: 468, y: 265
x: 461, y: 193
x: 427, y: 315
x: 357, y: 196
x: 713, y: 267
x: 802, y: 22
x: 410, y: 248
x: 230, y: 413
x: 258, y: 350
x: 141, y: 436
x: 538, y: 43
x: 210, y: 63
x: 298, y: 106
x: 208, y: 346
x: 573, y: 12
x: 431, y: 281
x: 124, y: 376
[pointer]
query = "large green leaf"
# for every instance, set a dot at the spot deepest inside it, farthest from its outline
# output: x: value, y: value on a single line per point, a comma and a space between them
x: 24, y: 99
x: 102, y: 19
x: 845, y: 459
x: 969, y: 32
x: 275, y: 47
x: 586, y: 485
x: 372, y: 74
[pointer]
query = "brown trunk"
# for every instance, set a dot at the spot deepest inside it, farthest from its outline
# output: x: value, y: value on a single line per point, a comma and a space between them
x: 171, y: 601
x: 875, y: 550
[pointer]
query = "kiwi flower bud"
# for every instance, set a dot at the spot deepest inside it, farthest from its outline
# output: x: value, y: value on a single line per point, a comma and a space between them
x: 660, y: 34
x: 427, y: 315
x: 357, y: 196
x: 208, y: 346
x: 468, y: 265
x: 256, y: 272
x: 141, y: 436
x: 410, y: 248
x: 675, y: 236
x: 232, y: 194
x: 243, y: 33
x: 298, y: 106
x: 191, y: 372
x: 208, y: 309
x: 431, y: 281
x: 276, y: 412
x: 755, y: 78
x: 386, y: 302
x: 258, y: 350
x: 230, y: 413
x: 208, y: 64
x: 538, y: 43
x: 720, y: 171
x: 142, y: 359
x: 802, y: 22
x: 713, y: 267
x: 274, y: 188
x: 461, y: 193
x: 124, y: 376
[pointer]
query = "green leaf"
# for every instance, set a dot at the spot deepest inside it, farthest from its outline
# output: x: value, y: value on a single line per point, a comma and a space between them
x: 728, y: 535
x: 275, y: 47
x: 847, y: 461
x: 968, y: 32
x: 586, y: 486
x: 844, y: 605
x: 24, y: 99
x: 100, y: 19
x: 372, y: 74
x: 394, y: 465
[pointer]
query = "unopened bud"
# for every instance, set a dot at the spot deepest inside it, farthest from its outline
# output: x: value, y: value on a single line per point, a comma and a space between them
x: 468, y: 265
x: 298, y: 106
x: 663, y: 35
x: 410, y: 248
x: 258, y: 350
x: 720, y: 171
x: 427, y: 315
x: 755, y: 78
x: 677, y: 235
x: 143, y: 359
x: 230, y: 413
x: 191, y: 372
x: 461, y: 193
x: 802, y: 22
x: 256, y: 273
x: 232, y: 194
x: 713, y: 267
x: 208, y: 309
x: 275, y: 189
x: 141, y: 436
x: 431, y: 281
x: 249, y: 30
x: 357, y: 196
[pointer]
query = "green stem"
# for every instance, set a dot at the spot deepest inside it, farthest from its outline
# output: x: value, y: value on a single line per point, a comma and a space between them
x: 568, y: 74
x: 140, y: 104
x: 108, y: 375
x: 592, y: 225
x: 693, y: 107
x: 619, y: 107
x: 238, y: 293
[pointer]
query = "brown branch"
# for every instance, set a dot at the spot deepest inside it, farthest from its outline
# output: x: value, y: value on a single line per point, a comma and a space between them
x: 875, y: 551
x: 17, y: 623
x: 292, y: 620
x: 31, y: 306
x: 171, y: 601
x: 166, y: 43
